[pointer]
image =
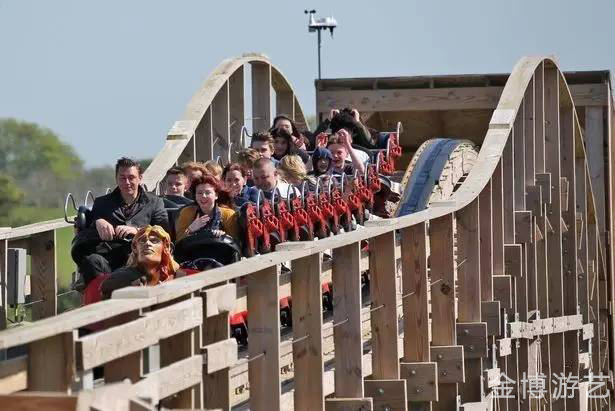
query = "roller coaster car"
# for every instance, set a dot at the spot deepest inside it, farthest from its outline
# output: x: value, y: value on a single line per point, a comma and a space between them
x: 83, y: 218
x: 302, y: 219
x: 203, y: 247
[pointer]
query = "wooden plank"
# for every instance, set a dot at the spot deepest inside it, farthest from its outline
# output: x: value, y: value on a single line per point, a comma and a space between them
x: 216, y: 386
x: 236, y: 104
x: 594, y: 144
x: 554, y: 209
x: 450, y: 360
x: 346, y: 312
x: 43, y: 276
x: 204, y: 137
x: 383, y: 291
x: 387, y: 394
x: 524, y: 227
x: 261, y: 96
x: 171, y: 379
x: 220, y: 355
x: 3, y: 284
x: 307, y: 331
x: 502, y: 288
x: 13, y: 375
x: 443, y: 298
x: 421, y: 382
x: 264, y: 332
x: 469, y: 289
x: 221, y: 299
x: 458, y: 98
x: 39, y: 401
x: 442, y: 270
x: 569, y: 241
x: 490, y: 314
x: 486, y: 244
x: 220, y: 116
x: 498, y: 220
x: 415, y: 293
x: 175, y: 350
x: 50, y: 363
x: 473, y: 337
x: 349, y: 404
x: 513, y: 256
x: 67, y: 321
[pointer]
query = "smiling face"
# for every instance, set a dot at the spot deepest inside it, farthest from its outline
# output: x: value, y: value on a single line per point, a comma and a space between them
x: 205, y: 197
x: 339, y: 154
x: 280, y: 146
x: 149, y: 250
x: 234, y: 182
x: 128, y: 180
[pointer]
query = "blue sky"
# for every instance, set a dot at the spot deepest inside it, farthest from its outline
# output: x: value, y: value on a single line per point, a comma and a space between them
x: 111, y: 77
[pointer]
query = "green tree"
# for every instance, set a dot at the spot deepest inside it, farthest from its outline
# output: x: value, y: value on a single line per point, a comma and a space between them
x: 10, y: 197
x: 41, y: 165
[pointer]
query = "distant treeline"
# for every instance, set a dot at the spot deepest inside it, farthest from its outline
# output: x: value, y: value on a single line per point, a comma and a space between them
x: 37, y: 170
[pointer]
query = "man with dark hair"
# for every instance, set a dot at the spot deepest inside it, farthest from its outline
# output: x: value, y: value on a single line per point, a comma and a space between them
x: 262, y: 142
x: 176, y: 186
x: 118, y: 216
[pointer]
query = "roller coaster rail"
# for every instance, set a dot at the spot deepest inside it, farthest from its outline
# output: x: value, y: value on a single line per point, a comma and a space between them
x: 509, y: 276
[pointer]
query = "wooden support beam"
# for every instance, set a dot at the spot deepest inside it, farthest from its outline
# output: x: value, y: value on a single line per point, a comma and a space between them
x: 264, y: 332
x: 204, y: 138
x: 307, y: 331
x: 50, y: 363
x: 3, y: 284
x: 387, y: 394
x: 220, y: 115
x: 383, y: 291
x: 13, y: 375
x: 171, y: 380
x: 349, y: 404
x: 594, y: 146
x: 469, y: 288
x: 43, y: 276
x: 216, y: 386
x: 554, y: 210
x: 237, y: 115
x: 347, y: 334
x: 443, y: 299
x: 261, y: 96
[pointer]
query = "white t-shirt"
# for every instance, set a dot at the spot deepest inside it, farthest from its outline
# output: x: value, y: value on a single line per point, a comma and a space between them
x: 361, y: 155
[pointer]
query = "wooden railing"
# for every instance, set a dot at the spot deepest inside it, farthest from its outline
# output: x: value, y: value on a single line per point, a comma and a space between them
x: 508, y: 276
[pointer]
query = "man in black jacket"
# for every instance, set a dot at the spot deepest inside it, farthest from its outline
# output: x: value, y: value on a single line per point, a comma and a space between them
x: 117, y: 217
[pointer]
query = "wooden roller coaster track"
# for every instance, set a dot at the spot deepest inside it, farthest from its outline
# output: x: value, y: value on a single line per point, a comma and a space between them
x: 508, y: 278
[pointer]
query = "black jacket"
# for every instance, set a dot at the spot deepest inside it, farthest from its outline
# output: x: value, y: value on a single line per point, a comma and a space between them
x: 120, y: 278
x: 149, y: 210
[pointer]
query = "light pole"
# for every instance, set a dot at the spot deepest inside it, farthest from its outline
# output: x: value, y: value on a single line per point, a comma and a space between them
x: 317, y: 25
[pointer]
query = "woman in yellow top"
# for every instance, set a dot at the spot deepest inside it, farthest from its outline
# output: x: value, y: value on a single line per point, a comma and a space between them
x: 206, y: 214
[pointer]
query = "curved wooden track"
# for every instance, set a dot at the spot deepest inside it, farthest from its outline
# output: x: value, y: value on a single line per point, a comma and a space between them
x: 508, y: 276
x: 211, y: 124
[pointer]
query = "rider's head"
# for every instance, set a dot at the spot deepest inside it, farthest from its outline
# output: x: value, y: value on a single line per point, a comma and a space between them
x: 151, y: 253
x: 338, y: 150
x: 234, y: 178
x: 292, y: 169
x: 176, y: 182
x: 265, y: 174
x: 205, y: 189
x: 128, y: 176
x: 213, y: 168
x: 246, y: 159
x: 193, y: 169
x: 263, y: 143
